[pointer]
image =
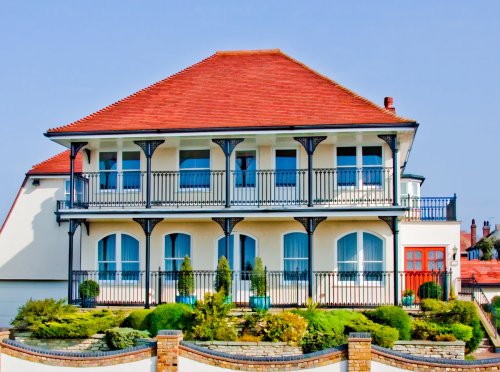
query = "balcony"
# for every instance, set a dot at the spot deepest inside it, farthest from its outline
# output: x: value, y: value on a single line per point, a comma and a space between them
x: 263, y: 188
x: 285, y: 288
x: 430, y: 208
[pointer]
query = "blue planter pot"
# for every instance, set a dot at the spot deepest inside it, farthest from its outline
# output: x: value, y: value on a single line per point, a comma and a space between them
x: 260, y: 302
x: 89, y: 302
x: 228, y: 300
x: 188, y: 300
x: 408, y: 300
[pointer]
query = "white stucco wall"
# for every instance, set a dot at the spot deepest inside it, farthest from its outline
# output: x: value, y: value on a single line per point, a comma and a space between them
x: 11, y: 364
x: 32, y: 244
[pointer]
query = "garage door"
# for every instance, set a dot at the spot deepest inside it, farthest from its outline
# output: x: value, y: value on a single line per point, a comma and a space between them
x: 13, y: 294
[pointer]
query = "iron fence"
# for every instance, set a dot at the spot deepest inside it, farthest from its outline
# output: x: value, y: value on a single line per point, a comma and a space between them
x: 430, y: 208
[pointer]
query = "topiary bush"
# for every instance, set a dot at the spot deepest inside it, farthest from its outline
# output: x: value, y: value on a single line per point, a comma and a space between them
x: 383, y: 336
x: 170, y: 316
x: 80, y: 325
x: 36, y: 312
x: 433, y: 305
x: 430, y: 290
x: 121, y: 338
x: 393, y: 316
x: 185, y: 283
x: 223, y: 277
x: 211, y: 321
x: 258, y: 284
x: 139, y: 319
x: 424, y: 330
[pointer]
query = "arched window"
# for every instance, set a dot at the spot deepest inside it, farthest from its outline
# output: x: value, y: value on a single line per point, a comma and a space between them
x: 110, y: 260
x: 177, y: 246
x: 295, y: 258
x: 354, y: 246
x: 246, y: 248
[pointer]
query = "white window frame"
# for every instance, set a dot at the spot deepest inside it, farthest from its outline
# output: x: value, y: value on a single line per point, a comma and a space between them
x: 179, y: 169
x: 359, y: 165
x: 119, y: 169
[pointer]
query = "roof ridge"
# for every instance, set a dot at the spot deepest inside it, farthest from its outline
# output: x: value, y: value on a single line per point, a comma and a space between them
x: 347, y: 90
x: 139, y: 92
x: 252, y: 51
x: 48, y: 160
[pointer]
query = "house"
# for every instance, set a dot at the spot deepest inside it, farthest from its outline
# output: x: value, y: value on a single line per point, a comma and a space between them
x: 244, y: 154
x: 473, y: 252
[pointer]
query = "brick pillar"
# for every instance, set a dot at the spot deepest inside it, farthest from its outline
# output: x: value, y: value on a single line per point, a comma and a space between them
x: 167, y: 350
x: 359, y: 352
x: 4, y: 333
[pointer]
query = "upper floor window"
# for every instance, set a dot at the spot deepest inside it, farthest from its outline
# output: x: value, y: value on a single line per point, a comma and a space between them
x: 110, y: 260
x: 362, y: 245
x: 177, y: 246
x: 286, y: 168
x: 295, y: 257
x: 110, y: 165
x: 351, y: 159
x: 246, y: 165
x: 194, y: 166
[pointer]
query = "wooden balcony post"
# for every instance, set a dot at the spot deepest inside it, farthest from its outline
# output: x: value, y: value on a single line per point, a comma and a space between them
x: 227, y: 145
x: 310, y: 224
x: 310, y: 144
x: 149, y: 148
x: 74, y: 149
x: 147, y: 224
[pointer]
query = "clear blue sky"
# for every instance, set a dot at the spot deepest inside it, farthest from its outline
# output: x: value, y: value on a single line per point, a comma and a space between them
x: 440, y: 60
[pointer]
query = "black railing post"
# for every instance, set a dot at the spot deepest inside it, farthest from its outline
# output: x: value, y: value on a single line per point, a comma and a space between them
x: 310, y: 144
x: 149, y: 148
x: 74, y: 149
x: 227, y: 145
x: 147, y: 224
x: 297, y: 285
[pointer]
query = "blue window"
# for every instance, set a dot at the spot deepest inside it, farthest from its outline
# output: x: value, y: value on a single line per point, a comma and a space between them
x: 130, y: 258
x: 194, y: 168
x: 247, y: 255
x: 347, y: 257
x: 346, y: 163
x: 177, y: 246
x: 221, y: 250
x: 372, y: 165
x: 286, y: 168
x: 131, y: 165
x: 79, y: 187
x: 108, y: 165
x: 296, y: 260
x: 373, y: 256
x: 246, y: 165
x: 106, y: 257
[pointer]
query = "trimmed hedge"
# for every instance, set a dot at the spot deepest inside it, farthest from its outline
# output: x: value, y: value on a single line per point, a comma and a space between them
x: 170, y: 316
x: 392, y: 316
x: 316, y: 341
x: 121, y: 338
x: 139, y: 319
x: 36, y: 312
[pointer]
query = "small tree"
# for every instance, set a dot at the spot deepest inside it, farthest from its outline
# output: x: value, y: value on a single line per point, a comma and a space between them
x: 486, y: 247
x: 88, y: 289
x: 258, y: 283
x: 186, y: 278
x: 223, y: 277
x: 496, y: 244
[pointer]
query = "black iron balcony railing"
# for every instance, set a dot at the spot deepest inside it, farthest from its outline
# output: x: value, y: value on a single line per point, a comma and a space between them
x: 343, y: 186
x: 285, y: 288
x: 430, y: 208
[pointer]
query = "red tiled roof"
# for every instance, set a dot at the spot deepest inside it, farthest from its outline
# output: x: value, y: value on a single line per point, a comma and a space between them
x: 465, y: 241
x: 485, y: 272
x: 58, y: 164
x: 234, y: 90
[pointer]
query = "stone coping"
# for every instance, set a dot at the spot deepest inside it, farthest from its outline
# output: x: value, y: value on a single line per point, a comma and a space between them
x: 289, y: 358
x: 434, y: 343
x: 77, y: 354
x: 443, y: 361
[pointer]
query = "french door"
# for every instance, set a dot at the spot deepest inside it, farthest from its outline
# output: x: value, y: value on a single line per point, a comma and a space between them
x: 424, y: 264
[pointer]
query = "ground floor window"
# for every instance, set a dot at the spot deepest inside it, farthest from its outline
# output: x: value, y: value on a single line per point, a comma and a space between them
x: 245, y: 251
x: 295, y: 256
x: 177, y: 246
x: 110, y: 260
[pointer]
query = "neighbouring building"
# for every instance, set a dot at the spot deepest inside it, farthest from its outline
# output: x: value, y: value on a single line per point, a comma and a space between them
x: 244, y: 154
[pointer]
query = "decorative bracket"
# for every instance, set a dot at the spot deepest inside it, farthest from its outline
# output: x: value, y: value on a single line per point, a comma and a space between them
x: 73, y: 225
x: 149, y: 147
x: 227, y: 144
x: 148, y: 224
x: 227, y: 224
x: 390, y: 139
x: 87, y: 226
x: 87, y: 151
x: 75, y: 148
x: 310, y: 143
x: 390, y: 221
x: 310, y: 223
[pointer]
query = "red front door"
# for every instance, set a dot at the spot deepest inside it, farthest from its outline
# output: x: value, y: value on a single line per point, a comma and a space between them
x: 424, y: 264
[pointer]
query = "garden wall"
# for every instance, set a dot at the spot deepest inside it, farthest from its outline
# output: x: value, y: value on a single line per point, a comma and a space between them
x: 432, y: 349
x: 261, y: 348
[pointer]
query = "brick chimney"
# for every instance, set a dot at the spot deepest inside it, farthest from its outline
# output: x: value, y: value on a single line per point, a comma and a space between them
x: 486, y: 229
x: 388, y: 104
x: 473, y: 234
